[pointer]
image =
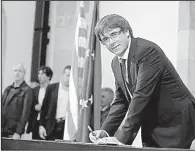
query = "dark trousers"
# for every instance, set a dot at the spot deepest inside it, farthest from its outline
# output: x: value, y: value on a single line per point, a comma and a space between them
x: 151, y: 143
x: 58, y: 131
x: 35, y: 131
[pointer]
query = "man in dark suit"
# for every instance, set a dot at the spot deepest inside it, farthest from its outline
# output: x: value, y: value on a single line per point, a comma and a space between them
x: 44, y: 77
x: 16, y: 104
x: 107, y: 96
x: 149, y: 91
x: 53, y: 111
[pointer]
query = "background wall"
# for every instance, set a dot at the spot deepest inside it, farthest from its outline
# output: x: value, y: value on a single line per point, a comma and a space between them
x: 19, y: 37
x: 62, y: 22
x: 3, y: 41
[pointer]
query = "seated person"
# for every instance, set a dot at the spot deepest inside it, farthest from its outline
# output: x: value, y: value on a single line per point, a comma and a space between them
x: 107, y: 96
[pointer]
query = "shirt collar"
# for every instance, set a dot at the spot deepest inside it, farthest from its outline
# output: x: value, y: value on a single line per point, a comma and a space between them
x: 125, y: 55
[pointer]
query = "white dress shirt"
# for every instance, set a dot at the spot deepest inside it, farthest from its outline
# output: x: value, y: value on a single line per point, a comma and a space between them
x: 41, y: 96
x: 62, y: 102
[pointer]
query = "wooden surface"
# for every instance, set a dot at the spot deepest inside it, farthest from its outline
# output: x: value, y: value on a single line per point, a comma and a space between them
x: 10, y: 144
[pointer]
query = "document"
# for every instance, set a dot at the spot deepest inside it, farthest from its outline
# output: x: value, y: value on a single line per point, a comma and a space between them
x: 108, y: 141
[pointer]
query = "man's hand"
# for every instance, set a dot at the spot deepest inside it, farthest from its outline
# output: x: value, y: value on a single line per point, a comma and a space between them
x: 38, y: 107
x: 16, y: 136
x: 42, y: 132
x: 96, y: 135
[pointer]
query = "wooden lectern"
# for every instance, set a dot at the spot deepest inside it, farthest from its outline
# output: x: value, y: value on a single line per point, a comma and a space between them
x: 10, y: 144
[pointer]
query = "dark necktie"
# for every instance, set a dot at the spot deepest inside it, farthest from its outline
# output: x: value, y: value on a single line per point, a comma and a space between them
x: 124, y: 72
x: 125, y: 76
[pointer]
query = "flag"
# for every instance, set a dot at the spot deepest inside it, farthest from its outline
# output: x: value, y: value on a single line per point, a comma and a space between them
x: 95, y: 46
x: 81, y: 78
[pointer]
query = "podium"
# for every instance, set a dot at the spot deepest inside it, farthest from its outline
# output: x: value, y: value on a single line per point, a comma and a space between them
x: 10, y: 144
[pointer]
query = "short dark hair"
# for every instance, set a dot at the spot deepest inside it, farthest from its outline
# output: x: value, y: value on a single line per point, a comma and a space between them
x: 47, y: 71
x: 110, y: 22
x: 67, y: 67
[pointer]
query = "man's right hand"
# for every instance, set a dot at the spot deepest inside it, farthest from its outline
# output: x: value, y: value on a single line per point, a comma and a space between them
x: 98, y: 134
x: 42, y: 132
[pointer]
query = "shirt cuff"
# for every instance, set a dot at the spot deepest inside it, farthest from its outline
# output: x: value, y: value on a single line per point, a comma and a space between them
x: 106, y: 133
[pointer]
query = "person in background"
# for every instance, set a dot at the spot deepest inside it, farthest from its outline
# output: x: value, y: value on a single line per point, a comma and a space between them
x: 44, y: 77
x: 16, y: 105
x: 107, y: 96
x: 149, y: 91
x: 53, y: 112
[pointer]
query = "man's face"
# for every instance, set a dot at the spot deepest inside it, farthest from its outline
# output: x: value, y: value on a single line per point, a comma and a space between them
x: 43, y: 78
x: 19, y: 72
x: 117, y: 41
x: 106, y: 98
x: 66, y: 77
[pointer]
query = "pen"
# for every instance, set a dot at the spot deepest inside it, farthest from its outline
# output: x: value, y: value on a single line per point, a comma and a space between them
x: 91, y: 131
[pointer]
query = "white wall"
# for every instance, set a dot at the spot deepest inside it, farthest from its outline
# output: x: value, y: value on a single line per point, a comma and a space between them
x: 62, y: 20
x: 4, y: 25
x: 3, y: 42
x: 154, y: 20
x: 19, y: 37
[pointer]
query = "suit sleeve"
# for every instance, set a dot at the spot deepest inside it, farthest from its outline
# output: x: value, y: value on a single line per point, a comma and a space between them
x: 150, y: 68
x: 26, y: 112
x: 117, y: 111
x: 32, y: 113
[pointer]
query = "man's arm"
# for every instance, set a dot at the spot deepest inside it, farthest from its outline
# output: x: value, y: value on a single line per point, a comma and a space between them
x: 117, y: 111
x: 43, y: 113
x: 150, y: 68
x: 45, y: 106
x: 32, y: 112
x: 26, y: 112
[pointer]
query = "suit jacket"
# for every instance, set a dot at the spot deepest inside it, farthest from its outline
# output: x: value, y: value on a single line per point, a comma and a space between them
x: 161, y: 103
x: 16, y: 108
x: 104, y: 114
x: 48, y: 110
x: 33, y: 115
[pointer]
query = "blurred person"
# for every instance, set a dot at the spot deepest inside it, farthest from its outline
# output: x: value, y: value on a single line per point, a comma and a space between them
x: 107, y: 96
x: 149, y: 91
x: 55, y: 103
x: 44, y: 77
x: 16, y: 104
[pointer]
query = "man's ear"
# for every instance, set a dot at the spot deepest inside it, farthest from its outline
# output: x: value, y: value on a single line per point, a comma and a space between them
x: 127, y: 33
